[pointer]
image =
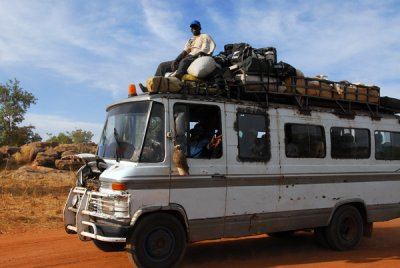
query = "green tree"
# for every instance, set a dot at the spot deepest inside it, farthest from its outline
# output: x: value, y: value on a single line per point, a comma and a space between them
x: 60, y: 138
x: 80, y: 136
x: 76, y: 136
x: 14, y: 102
x: 24, y: 135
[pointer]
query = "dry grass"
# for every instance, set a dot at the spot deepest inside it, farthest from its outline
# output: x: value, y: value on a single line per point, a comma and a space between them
x: 33, y: 198
x: 23, y: 156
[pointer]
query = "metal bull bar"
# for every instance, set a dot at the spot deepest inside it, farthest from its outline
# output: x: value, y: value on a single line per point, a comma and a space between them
x: 83, y: 204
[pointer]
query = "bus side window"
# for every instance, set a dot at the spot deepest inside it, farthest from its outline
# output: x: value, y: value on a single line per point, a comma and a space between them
x: 350, y: 143
x: 253, y: 137
x: 387, y: 145
x: 304, y: 141
x: 195, y: 127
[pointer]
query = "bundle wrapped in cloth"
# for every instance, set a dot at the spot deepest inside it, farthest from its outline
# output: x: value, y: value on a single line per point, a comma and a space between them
x: 156, y: 84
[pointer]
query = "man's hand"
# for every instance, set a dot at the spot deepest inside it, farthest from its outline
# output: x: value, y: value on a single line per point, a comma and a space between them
x: 215, y: 141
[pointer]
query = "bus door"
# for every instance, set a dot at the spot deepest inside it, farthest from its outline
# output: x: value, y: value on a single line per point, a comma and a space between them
x: 199, y: 186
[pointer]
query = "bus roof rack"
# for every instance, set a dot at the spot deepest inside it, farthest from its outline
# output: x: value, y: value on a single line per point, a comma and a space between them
x: 306, y: 93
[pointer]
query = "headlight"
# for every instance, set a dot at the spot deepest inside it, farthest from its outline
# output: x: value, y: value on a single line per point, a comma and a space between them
x: 117, y: 206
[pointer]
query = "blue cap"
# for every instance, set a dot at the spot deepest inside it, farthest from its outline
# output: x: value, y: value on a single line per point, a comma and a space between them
x: 195, y: 23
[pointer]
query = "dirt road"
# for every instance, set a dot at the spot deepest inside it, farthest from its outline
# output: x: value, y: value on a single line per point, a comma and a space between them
x: 54, y: 248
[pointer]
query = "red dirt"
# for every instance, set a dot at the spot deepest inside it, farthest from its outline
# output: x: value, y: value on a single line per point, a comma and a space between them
x: 55, y: 248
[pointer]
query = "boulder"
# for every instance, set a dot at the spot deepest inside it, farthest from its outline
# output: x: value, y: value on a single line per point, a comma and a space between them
x: 53, y: 152
x: 68, y: 153
x: 76, y: 148
x: 69, y: 162
x: 35, y: 173
x: 34, y: 151
x: 45, y: 160
x: 9, y: 150
x: 72, y: 164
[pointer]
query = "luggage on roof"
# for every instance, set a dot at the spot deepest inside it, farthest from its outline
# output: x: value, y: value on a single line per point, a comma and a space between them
x: 156, y: 84
x: 243, y: 56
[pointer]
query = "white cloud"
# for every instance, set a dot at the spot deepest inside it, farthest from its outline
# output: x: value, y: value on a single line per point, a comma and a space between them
x: 161, y: 19
x: 53, y: 124
x: 107, y: 45
x: 88, y: 48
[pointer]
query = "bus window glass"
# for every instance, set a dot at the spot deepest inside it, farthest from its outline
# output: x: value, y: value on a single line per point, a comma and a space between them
x: 350, y: 143
x: 196, y: 126
x: 387, y: 145
x: 154, y: 149
x: 253, y: 137
x: 304, y: 141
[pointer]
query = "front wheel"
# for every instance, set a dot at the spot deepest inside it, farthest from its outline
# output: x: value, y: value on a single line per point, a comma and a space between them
x: 159, y: 240
x: 345, y: 229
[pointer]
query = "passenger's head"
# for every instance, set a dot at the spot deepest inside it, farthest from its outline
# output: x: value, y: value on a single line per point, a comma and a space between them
x: 197, y: 132
x: 195, y: 27
x: 251, y: 134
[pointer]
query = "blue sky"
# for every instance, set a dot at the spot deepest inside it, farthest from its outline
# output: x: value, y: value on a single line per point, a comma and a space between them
x: 77, y: 57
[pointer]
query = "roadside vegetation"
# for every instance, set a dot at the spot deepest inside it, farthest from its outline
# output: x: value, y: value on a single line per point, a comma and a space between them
x: 33, y: 198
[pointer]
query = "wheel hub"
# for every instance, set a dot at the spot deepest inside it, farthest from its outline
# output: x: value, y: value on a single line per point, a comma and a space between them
x: 160, y: 244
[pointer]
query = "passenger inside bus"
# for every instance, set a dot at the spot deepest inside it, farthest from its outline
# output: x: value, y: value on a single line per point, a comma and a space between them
x: 201, y: 144
x: 248, y: 144
x: 198, y: 141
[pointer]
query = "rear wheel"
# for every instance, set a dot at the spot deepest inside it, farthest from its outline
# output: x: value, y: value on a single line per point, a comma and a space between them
x: 345, y: 229
x: 159, y: 240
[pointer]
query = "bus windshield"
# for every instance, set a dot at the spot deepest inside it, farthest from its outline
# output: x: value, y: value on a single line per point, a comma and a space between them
x: 125, y: 132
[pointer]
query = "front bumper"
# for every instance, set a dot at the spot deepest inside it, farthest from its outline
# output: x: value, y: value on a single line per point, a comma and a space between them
x: 97, y: 215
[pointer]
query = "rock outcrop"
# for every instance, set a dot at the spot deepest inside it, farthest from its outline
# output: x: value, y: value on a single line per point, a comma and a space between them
x: 47, y: 154
x: 69, y: 162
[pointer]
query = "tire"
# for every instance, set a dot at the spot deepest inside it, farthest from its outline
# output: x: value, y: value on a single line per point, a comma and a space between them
x: 345, y: 229
x: 109, y: 246
x: 158, y: 240
x: 283, y: 234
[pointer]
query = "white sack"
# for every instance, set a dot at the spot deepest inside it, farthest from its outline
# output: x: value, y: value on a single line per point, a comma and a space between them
x: 202, y: 67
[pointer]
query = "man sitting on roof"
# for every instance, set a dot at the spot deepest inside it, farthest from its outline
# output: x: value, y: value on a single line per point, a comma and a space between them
x: 198, y: 45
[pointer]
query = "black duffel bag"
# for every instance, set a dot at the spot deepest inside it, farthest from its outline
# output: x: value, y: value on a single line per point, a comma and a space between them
x: 251, y: 60
x: 284, y: 69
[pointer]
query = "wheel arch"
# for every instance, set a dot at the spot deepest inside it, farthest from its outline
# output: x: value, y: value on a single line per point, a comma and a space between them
x: 360, y: 205
x: 175, y: 210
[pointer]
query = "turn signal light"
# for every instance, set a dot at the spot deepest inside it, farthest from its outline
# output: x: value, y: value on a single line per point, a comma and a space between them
x: 118, y: 186
x: 132, y: 90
